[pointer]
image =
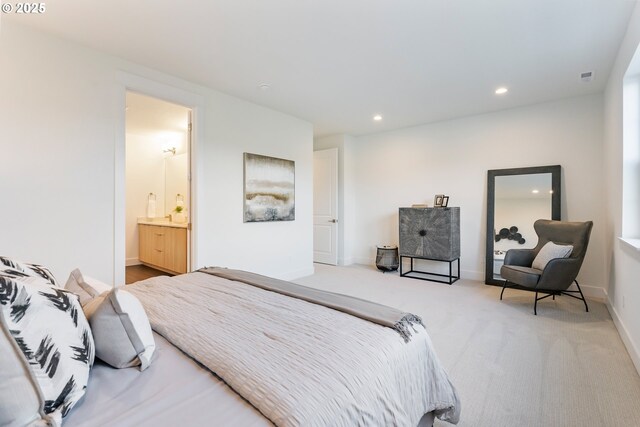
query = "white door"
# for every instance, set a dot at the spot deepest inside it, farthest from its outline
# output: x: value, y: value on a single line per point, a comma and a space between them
x: 325, y: 206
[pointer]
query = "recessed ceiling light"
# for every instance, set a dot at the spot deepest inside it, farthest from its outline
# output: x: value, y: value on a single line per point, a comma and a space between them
x: 535, y: 191
x: 264, y: 86
x: 501, y: 91
x: 377, y: 117
x: 550, y: 191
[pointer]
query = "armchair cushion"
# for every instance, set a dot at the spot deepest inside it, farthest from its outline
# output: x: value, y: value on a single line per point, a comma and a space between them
x: 550, y: 251
x: 524, y: 276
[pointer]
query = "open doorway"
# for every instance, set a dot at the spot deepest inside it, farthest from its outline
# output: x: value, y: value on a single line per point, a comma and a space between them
x: 158, y: 187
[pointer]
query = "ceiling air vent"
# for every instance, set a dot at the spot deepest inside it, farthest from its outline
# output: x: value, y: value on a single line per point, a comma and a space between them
x: 586, y: 77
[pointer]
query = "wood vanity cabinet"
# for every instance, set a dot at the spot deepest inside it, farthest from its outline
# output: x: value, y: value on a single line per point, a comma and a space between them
x: 163, y: 247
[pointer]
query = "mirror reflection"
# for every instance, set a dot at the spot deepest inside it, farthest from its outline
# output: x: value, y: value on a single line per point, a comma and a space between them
x: 176, y: 182
x: 519, y: 201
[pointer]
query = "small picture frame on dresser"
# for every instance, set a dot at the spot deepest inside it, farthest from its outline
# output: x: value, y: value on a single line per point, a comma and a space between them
x: 437, y: 200
x: 445, y: 201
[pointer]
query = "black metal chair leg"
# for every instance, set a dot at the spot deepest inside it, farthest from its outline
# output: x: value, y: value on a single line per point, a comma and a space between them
x: 535, y: 305
x: 503, y: 286
x: 583, y: 300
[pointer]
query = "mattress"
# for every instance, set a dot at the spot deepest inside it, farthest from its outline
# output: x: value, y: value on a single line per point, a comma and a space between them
x: 174, y: 390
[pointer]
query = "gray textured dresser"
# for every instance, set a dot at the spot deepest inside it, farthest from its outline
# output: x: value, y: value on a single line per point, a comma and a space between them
x: 430, y: 234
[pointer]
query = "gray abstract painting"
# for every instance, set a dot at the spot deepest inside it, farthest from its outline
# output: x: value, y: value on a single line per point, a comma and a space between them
x: 269, y: 189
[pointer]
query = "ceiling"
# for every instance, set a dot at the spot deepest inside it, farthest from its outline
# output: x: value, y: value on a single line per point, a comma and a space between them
x: 336, y: 63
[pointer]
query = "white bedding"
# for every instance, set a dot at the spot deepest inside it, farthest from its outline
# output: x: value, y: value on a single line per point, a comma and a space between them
x: 297, y: 362
x: 173, y: 391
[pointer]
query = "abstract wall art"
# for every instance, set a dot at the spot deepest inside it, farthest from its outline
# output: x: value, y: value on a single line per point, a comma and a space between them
x: 269, y: 189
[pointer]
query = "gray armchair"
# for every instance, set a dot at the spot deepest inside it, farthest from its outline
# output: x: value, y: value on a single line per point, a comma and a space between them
x: 560, y: 273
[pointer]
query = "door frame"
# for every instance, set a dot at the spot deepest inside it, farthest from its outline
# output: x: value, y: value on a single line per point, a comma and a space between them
x: 132, y: 83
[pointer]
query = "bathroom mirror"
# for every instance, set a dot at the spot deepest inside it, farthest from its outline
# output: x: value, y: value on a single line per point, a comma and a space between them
x: 176, y: 181
x: 516, y: 198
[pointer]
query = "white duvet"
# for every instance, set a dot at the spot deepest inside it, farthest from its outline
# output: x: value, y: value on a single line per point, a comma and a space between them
x: 299, y: 363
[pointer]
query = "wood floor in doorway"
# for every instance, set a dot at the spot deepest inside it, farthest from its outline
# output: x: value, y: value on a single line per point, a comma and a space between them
x: 135, y: 273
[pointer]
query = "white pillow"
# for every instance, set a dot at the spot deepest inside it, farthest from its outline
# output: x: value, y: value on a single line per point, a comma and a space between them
x: 52, y: 337
x: 121, y: 329
x: 551, y: 251
x: 87, y: 288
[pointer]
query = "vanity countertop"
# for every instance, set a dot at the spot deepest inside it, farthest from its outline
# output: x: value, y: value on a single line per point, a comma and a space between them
x: 162, y: 222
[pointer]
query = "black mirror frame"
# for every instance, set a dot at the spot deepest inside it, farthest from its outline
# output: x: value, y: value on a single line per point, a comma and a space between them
x: 556, y: 173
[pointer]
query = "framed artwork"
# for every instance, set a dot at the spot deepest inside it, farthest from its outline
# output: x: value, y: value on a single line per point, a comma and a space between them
x: 445, y: 201
x: 269, y: 189
x: 437, y: 201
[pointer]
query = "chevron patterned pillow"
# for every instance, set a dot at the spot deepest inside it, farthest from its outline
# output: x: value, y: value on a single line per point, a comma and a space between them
x: 51, y: 337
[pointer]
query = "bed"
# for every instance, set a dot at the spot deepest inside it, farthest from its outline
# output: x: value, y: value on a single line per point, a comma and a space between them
x: 297, y: 355
x: 282, y: 354
x: 174, y: 390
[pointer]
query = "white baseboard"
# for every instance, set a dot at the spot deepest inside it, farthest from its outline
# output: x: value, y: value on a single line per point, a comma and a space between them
x: 345, y: 261
x: 632, y: 348
x: 472, y: 275
x: 363, y: 261
x: 594, y: 292
x: 132, y: 261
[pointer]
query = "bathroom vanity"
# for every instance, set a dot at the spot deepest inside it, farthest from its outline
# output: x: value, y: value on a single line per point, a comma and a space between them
x: 163, y: 245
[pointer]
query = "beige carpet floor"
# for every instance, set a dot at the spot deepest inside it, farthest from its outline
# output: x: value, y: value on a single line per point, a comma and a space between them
x: 564, y: 367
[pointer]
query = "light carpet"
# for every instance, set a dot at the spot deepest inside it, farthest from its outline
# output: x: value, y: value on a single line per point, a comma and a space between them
x: 563, y: 367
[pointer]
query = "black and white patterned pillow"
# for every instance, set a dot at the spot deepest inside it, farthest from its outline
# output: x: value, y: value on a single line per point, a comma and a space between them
x: 49, y: 327
x: 17, y: 269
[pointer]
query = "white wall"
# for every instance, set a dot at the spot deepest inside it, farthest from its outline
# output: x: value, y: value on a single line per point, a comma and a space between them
x: 62, y: 123
x: 282, y: 249
x: 349, y: 206
x: 623, y: 261
x: 408, y: 166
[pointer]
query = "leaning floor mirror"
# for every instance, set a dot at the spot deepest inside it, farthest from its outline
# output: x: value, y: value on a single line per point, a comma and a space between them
x: 516, y: 198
